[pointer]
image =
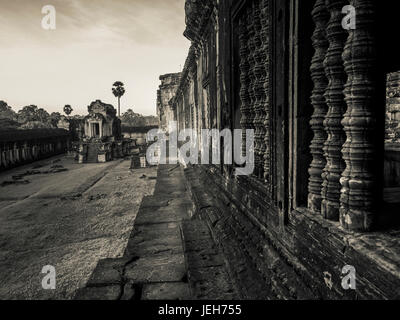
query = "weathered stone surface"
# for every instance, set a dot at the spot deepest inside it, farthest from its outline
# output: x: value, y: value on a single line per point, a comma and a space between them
x: 166, y: 291
x: 141, y: 247
x: 129, y: 291
x: 211, y: 283
x: 171, y: 213
x: 156, y: 231
x: 292, y: 265
x: 203, y: 259
x: 99, y: 293
x: 167, y: 265
x: 160, y: 268
x: 195, y: 230
x: 107, y: 272
x: 207, y: 272
x: 200, y: 245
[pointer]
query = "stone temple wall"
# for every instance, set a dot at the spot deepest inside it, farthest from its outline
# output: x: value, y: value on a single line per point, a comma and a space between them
x: 25, y: 146
x: 167, y: 90
x: 281, y: 239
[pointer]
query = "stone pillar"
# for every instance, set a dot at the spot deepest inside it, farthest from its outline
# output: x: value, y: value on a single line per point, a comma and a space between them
x: 16, y: 153
x: 334, y: 96
x: 11, y: 154
x: 358, y: 202
x: 320, y: 43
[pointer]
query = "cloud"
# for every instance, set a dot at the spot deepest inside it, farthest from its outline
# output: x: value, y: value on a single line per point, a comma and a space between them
x: 96, y: 43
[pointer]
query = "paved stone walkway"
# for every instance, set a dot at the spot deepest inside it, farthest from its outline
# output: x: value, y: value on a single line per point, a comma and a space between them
x: 170, y: 254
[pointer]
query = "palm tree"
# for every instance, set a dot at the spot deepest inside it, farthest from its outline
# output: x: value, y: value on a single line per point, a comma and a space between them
x: 118, y: 90
x: 68, y: 109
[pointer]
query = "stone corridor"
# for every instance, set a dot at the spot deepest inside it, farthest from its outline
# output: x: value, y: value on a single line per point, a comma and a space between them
x: 170, y: 254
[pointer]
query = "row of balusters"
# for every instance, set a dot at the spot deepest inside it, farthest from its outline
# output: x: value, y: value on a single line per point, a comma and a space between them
x: 255, y: 79
x: 342, y: 178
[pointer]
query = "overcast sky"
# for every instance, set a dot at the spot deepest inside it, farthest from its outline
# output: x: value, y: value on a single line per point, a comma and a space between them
x: 96, y: 42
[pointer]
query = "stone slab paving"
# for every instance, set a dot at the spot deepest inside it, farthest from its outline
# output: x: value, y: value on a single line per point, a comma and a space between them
x: 207, y: 272
x: 89, y: 217
x: 170, y: 254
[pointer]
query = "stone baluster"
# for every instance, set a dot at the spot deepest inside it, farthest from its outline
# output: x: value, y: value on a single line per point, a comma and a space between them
x: 359, y: 194
x: 334, y: 69
x: 320, y: 44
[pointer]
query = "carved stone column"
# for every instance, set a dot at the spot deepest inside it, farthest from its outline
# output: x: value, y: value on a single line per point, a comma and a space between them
x: 320, y: 43
x: 334, y: 69
x: 359, y: 194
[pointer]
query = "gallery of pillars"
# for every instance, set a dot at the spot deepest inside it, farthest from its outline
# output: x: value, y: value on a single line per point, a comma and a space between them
x: 343, y: 175
x: 311, y: 91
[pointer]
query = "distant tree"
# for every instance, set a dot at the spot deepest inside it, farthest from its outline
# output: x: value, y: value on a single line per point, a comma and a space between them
x: 129, y: 118
x: 68, y: 109
x: 6, y: 112
x: 54, y: 118
x: 42, y: 116
x: 118, y: 90
x: 28, y: 113
x: 8, y: 124
x: 132, y: 119
x: 36, y: 125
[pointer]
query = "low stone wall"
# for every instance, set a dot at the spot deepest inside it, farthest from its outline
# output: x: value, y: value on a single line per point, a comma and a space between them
x: 20, y: 147
x: 101, y: 152
x: 302, y: 259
